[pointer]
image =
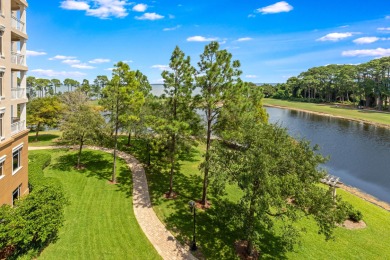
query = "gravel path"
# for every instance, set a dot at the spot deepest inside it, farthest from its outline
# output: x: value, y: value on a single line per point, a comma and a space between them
x: 163, y: 241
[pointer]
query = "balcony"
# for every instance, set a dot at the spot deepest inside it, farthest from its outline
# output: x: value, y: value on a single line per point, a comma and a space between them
x: 18, y: 24
x: 17, y: 58
x: 17, y: 126
x: 18, y: 93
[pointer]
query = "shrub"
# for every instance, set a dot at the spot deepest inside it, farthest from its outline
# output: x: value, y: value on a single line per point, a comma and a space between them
x: 355, y: 215
x: 35, y: 221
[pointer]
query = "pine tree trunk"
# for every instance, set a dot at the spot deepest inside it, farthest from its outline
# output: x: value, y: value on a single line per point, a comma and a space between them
x: 206, y: 169
x: 129, y: 138
x: 113, y: 179
x: 170, y: 193
x: 250, y: 223
x: 148, y: 148
x: 37, y: 131
x: 79, y: 156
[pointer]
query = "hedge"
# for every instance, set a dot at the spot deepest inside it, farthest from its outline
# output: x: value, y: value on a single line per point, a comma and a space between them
x: 35, y: 220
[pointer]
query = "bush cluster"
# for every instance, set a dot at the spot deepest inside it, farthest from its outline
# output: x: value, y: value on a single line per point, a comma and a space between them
x: 34, y: 221
x: 355, y: 215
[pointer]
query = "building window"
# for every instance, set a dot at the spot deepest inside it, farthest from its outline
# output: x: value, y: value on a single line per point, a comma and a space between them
x: 1, y: 42
x: 2, y: 159
x: 17, y: 158
x: 1, y: 126
x: 1, y: 83
x: 2, y: 169
x: 15, y: 195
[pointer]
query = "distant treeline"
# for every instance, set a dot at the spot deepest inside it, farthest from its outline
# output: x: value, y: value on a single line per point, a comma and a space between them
x: 366, y: 84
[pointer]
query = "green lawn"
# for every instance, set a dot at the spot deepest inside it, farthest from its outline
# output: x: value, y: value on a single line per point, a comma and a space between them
x: 216, y: 233
x: 45, y: 138
x: 349, y: 113
x: 99, y: 222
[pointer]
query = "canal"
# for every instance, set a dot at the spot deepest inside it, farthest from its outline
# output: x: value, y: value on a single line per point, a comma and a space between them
x: 359, y: 153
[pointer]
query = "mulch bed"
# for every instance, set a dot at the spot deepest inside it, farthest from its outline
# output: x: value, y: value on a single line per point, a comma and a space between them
x: 349, y: 224
x: 199, y: 205
x: 171, y: 197
x: 81, y: 167
x: 240, y: 247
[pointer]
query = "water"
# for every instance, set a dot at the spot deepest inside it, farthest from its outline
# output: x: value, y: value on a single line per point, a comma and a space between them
x: 359, y: 153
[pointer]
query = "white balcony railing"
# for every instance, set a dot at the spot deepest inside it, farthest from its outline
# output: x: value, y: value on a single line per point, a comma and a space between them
x: 17, y: 24
x: 18, y: 93
x: 17, y: 58
x: 18, y: 127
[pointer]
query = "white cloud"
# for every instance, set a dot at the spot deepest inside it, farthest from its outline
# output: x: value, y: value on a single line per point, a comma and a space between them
x: 244, y: 39
x: 366, y: 40
x: 149, y: 16
x: 384, y: 29
x: 102, y: 9
x: 52, y: 73
x: 251, y: 76
x: 82, y: 66
x: 251, y: 15
x: 379, y: 52
x: 99, y: 61
x: 200, y: 39
x: 140, y: 7
x: 127, y: 61
x: 172, y: 28
x: 171, y: 16
x: 110, y: 69
x: 387, y: 17
x: 35, y: 53
x: 75, y: 5
x: 161, y: 67
x: 71, y: 61
x: 278, y: 7
x: 334, y: 37
x: 62, y: 57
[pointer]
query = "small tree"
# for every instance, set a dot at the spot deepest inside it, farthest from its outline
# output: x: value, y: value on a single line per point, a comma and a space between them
x: 81, y: 122
x: 44, y: 111
x: 179, y: 111
x: 279, y: 180
x: 217, y: 78
x: 122, y: 100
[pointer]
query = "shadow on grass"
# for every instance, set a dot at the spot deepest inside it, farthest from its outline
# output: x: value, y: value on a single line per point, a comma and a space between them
x: 96, y: 165
x: 43, y: 138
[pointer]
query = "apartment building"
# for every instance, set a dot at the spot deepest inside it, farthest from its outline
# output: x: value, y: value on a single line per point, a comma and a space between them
x: 13, y: 100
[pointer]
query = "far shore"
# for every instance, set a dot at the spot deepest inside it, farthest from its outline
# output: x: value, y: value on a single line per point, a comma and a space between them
x: 353, y: 190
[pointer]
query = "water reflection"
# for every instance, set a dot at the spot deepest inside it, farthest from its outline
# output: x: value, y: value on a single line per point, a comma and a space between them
x: 359, y: 153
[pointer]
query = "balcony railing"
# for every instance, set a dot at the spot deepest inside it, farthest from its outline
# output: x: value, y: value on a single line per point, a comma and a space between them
x: 17, y: 24
x: 17, y: 58
x: 18, y: 127
x: 18, y: 93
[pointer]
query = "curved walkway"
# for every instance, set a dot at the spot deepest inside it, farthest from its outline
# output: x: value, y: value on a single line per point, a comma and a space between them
x: 162, y: 240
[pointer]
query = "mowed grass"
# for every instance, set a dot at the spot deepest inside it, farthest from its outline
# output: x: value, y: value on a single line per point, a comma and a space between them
x: 348, y: 113
x: 99, y: 221
x: 216, y: 232
x: 45, y: 138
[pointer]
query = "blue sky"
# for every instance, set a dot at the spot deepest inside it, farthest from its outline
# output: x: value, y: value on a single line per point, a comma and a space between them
x: 273, y: 40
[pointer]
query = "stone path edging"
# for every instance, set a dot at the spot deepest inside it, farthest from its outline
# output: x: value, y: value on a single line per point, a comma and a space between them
x: 162, y: 240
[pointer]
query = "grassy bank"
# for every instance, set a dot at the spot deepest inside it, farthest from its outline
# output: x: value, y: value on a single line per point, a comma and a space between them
x: 369, y: 116
x: 216, y: 233
x: 99, y: 222
x: 45, y: 138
